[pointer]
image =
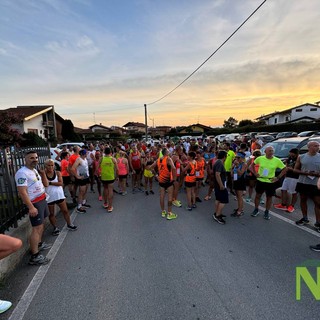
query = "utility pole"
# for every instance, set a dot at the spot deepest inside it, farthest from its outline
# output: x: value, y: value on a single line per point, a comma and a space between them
x: 145, y: 120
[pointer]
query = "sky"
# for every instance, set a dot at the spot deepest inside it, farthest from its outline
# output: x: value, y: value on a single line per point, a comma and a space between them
x: 100, y: 61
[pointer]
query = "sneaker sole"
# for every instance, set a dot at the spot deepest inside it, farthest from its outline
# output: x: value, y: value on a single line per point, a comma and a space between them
x: 217, y: 220
x: 315, y: 250
x: 39, y: 264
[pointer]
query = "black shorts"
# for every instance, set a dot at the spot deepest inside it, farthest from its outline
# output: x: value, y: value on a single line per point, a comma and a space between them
x: 123, y: 176
x: 55, y: 202
x: 188, y: 184
x: 43, y: 212
x: 166, y: 185
x: 267, y: 187
x: 308, y: 190
x: 107, y: 182
x: 221, y: 195
x: 137, y: 171
x: 240, y: 185
x: 81, y: 182
x: 199, y: 179
x: 66, y: 180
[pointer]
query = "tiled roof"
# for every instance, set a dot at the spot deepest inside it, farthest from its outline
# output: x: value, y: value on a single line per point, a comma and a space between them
x: 26, y: 111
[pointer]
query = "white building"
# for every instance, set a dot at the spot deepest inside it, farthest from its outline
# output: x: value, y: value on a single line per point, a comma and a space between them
x: 305, y: 112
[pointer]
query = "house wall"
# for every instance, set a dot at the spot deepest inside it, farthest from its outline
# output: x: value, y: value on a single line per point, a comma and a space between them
x: 306, y: 111
x: 34, y: 125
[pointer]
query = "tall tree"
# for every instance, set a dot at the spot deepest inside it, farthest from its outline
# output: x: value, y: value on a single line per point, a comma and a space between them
x: 230, y: 123
x: 245, y: 122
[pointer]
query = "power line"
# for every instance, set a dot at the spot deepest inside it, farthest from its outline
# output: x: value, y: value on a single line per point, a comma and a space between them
x: 233, y: 33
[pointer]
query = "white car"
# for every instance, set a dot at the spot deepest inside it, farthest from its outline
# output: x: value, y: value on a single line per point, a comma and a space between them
x: 55, y: 156
x: 70, y: 144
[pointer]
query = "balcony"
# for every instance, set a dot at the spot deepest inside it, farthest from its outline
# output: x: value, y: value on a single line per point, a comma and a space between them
x: 47, y: 123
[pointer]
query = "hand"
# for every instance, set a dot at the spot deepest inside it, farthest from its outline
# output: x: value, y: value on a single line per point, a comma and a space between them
x: 222, y: 188
x: 33, y: 212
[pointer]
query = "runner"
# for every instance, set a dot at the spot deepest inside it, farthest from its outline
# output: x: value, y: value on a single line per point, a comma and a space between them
x: 97, y: 172
x: 190, y: 180
x: 148, y: 173
x: 176, y: 184
x: 123, y: 170
x: 200, y: 168
x: 135, y: 163
x: 266, y: 179
x: 167, y: 174
x: 220, y: 187
x: 239, y: 168
x: 109, y: 169
x: 80, y: 170
x: 56, y: 196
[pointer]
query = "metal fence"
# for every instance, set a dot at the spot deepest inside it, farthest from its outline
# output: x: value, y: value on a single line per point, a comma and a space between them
x: 11, y: 207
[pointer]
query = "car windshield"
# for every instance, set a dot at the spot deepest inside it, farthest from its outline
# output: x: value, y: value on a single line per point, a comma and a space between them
x: 281, y: 148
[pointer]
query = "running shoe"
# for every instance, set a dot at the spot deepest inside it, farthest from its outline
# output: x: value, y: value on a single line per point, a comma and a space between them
x: 302, y: 222
x: 147, y: 193
x: 219, y: 219
x: 85, y: 205
x: 280, y: 206
x: 81, y: 210
x: 266, y: 215
x: 171, y: 216
x: 198, y: 199
x: 56, y: 231
x: 151, y: 191
x: 290, y: 209
x: 38, y: 260
x: 163, y: 213
x: 206, y: 198
x: 72, y: 227
x: 44, y: 246
x: 176, y: 203
x: 4, y: 306
x: 315, y: 248
x: 189, y: 208
x: 261, y: 201
x: 100, y: 198
x: 255, y: 212
x: 105, y: 205
x: 124, y: 193
x: 110, y: 209
x: 194, y: 206
x: 248, y: 200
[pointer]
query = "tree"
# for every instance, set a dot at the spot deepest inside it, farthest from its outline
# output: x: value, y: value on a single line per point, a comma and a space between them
x: 31, y: 139
x: 67, y: 131
x: 246, y: 122
x: 230, y: 123
x: 8, y: 135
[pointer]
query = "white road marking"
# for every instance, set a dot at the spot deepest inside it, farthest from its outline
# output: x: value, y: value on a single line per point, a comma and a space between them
x: 25, y: 301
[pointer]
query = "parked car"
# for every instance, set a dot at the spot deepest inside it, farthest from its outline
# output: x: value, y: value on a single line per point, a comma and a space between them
x: 282, y: 146
x: 55, y: 156
x: 70, y: 144
x: 308, y: 133
x: 232, y: 136
x: 286, y: 134
x: 221, y: 137
x: 265, y: 138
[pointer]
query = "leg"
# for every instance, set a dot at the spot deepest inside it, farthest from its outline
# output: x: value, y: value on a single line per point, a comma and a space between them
x: 35, y: 238
x: 170, y: 196
x: 162, y: 195
x: 304, y: 205
x: 52, y: 217
x: 65, y: 212
x: 316, y: 200
x: 110, y: 194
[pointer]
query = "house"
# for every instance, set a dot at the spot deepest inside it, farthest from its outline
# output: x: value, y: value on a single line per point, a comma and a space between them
x: 196, y: 128
x: 305, y: 112
x: 135, y: 127
x: 159, y: 131
x: 38, y: 119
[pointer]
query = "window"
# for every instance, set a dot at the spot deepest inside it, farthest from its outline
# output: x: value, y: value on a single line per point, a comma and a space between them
x: 275, y: 121
x: 287, y: 118
x: 33, y: 130
x: 298, y: 110
x: 313, y: 109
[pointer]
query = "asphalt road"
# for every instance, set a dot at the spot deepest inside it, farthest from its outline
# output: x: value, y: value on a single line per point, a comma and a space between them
x: 133, y: 264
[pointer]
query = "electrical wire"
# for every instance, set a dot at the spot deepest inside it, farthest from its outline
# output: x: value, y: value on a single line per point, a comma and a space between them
x: 233, y: 33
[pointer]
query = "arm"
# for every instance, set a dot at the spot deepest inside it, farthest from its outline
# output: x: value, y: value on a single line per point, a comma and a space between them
x: 74, y: 169
x: 43, y: 177
x: 23, y: 192
x: 218, y: 178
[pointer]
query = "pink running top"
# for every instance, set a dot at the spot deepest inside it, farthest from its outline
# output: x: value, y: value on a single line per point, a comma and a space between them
x: 122, y: 168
